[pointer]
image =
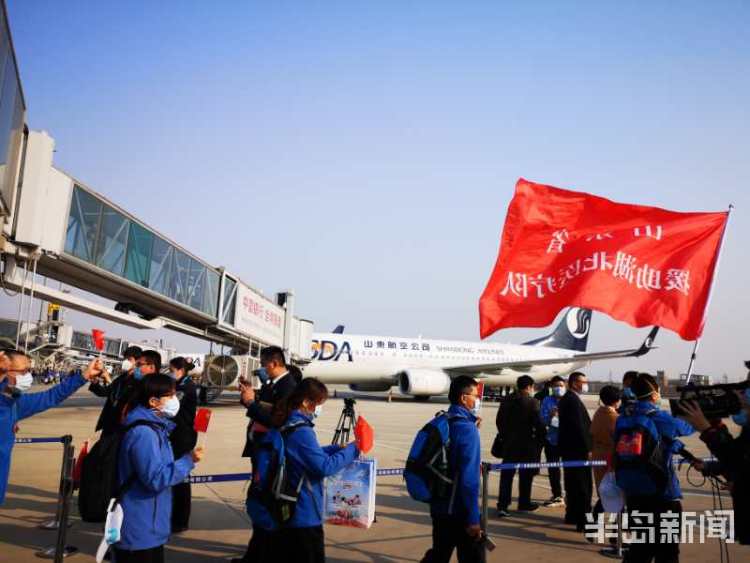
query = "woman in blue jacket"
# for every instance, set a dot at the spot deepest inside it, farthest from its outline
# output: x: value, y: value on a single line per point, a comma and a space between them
x: 301, y: 540
x: 147, y: 471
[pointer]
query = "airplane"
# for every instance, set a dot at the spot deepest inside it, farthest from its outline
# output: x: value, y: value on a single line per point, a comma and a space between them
x: 422, y: 368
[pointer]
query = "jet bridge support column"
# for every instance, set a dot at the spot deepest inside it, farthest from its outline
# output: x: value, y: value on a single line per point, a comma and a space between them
x: 286, y: 300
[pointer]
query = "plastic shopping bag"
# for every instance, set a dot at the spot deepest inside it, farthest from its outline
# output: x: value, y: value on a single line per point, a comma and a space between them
x: 613, y: 499
x: 349, y: 496
x: 112, y: 527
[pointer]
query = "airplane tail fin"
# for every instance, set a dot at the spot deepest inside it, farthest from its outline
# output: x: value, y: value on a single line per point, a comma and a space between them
x: 572, y: 333
x: 339, y: 329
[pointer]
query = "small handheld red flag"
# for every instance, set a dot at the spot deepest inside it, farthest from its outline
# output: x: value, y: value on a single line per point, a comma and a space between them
x: 202, y: 418
x: 364, y: 435
x: 98, y: 337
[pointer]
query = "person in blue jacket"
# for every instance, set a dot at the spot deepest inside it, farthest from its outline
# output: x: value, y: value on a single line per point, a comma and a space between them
x: 646, y: 391
x: 147, y: 471
x: 455, y: 520
x: 16, y: 404
x: 551, y: 421
x: 301, y: 539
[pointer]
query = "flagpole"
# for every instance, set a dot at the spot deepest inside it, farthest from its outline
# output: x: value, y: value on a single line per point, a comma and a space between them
x: 710, y: 294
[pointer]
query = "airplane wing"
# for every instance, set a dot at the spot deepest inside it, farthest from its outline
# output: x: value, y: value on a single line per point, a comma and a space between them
x: 525, y: 365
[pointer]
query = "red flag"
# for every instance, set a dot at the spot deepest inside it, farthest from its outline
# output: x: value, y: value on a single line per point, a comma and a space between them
x: 98, y: 338
x: 641, y: 265
x: 364, y: 435
x: 202, y: 418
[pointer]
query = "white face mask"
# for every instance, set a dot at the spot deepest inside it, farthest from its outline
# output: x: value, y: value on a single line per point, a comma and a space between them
x: 554, y: 422
x: 171, y: 407
x: 477, y: 407
x: 24, y: 381
x: 126, y: 365
x: 557, y: 391
x: 585, y: 388
x: 318, y: 411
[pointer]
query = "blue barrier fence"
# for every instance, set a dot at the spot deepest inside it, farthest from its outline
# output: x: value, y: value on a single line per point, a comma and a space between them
x: 58, y: 440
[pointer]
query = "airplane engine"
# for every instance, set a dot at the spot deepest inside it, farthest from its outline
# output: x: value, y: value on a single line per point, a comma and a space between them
x: 424, y: 382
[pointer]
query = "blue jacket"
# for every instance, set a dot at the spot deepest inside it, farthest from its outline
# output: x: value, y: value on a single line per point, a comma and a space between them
x: 306, y: 458
x: 548, y: 405
x: 13, y: 409
x: 147, y: 505
x: 670, y: 429
x: 464, y: 462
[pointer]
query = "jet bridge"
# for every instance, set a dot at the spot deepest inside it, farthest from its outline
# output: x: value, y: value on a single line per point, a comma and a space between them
x: 65, y: 230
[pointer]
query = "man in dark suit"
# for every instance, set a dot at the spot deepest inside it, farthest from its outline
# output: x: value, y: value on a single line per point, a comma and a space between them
x: 278, y: 384
x: 522, y: 432
x: 575, y: 445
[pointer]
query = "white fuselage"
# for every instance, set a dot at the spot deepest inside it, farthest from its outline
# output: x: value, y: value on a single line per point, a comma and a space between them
x: 360, y: 359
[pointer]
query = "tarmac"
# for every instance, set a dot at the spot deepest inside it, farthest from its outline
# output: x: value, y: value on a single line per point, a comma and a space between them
x: 219, y: 528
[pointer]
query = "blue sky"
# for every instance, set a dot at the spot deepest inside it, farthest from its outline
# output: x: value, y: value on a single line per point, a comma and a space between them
x: 365, y: 153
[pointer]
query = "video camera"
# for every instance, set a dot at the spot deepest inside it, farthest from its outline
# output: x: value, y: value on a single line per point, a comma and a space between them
x: 716, y: 401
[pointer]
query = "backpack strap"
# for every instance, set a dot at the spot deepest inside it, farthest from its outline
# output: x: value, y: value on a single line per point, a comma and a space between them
x: 130, y: 481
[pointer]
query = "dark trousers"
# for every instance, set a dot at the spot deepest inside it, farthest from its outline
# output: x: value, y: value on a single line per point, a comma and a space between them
x: 301, y: 545
x: 153, y: 555
x: 449, y: 533
x: 658, y: 550
x: 525, y: 480
x: 552, y: 455
x: 263, y: 546
x: 579, y: 488
x: 181, y: 495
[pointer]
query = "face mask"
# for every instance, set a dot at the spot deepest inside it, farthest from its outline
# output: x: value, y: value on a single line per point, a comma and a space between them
x: 172, y: 374
x: 554, y: 422
x: 741, y: 418
x: 318, y: 411
x: 557, y: 391
x: 171, y: 407
x: 477, y: 407
x: 262, y: 374
x: 585, y: 388
x: 137, y: 373
x: 126, y: 365
x: 23, y: 382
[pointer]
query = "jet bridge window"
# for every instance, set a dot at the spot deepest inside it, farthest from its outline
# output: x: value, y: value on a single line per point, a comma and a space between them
x: 138, y: 262
x: 83, y: 225
x: 112, y: 240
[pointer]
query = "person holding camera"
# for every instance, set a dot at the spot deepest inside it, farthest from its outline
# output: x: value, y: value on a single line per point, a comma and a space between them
x: 733, y: 456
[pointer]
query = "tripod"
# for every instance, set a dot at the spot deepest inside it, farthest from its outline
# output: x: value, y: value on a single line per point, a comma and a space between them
x: 345, y: 424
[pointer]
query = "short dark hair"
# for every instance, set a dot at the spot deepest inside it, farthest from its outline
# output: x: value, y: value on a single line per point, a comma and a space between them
x: 556, y: 379
x: 272, y: 354
x: 13, y: 353
x: 132, y: 352
x: 460, y: 386
x: 152, y: 357
x: 524, y: 382
x: 609, y: 395
x: 575, y: 376
x: 644, y: 385
x: 157, y: 385
x: 628, y: 377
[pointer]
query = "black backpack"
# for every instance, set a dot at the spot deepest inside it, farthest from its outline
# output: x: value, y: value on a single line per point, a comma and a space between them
x: 99, y: 475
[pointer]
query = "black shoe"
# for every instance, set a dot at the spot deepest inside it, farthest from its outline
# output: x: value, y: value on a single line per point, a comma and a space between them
x: 502, y: 513
x: 179, y: 530
x: 531, y: 507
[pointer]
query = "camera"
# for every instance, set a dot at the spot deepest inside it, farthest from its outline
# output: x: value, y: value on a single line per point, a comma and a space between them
x: 716, y: 401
